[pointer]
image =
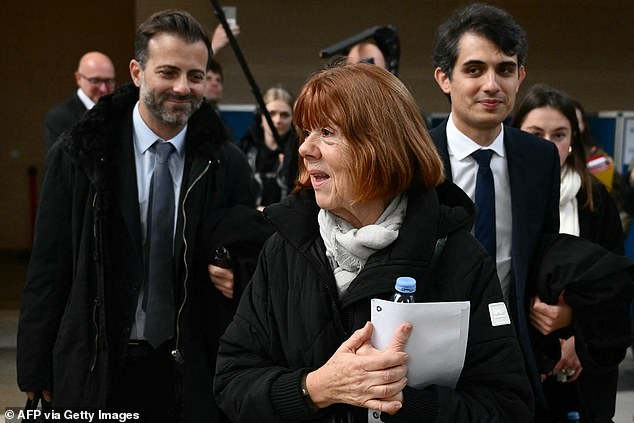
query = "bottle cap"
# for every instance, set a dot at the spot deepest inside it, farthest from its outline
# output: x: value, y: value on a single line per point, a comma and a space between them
x: 573, y: 416
x: 405, y: 284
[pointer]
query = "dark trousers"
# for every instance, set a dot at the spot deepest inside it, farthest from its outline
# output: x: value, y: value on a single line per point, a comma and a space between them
x: 145, y: 384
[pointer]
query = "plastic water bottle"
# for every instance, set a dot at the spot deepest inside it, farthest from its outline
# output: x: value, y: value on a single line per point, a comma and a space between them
x: 573, y: 417
x: 405, y: 288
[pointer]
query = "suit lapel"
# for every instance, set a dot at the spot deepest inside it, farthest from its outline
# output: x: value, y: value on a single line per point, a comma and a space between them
x: 439, y: 136
x: 520, y: 205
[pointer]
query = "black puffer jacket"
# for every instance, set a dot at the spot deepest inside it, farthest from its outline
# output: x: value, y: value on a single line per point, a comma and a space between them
x: 290, y: 320
x: 603, y: 225
x: 86, y: 267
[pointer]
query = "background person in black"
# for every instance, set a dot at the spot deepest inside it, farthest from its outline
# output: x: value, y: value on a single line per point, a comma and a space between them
x: 95, y: 77
x: 586, y: 210
x: 273, y: 164
x: 549, y: 113
x: 214, y: 87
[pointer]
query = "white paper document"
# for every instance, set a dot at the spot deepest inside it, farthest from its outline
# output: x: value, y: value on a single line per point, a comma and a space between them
x: 437, y: 344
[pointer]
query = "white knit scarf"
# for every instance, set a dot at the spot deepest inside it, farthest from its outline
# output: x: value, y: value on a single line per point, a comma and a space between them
x: 348, y: 248
x: 568, y: 211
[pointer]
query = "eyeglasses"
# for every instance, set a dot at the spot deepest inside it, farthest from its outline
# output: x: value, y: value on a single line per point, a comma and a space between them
x: 98, y: 81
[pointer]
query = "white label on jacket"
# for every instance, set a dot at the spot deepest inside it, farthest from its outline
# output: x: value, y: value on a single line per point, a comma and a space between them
x: 499, y: 315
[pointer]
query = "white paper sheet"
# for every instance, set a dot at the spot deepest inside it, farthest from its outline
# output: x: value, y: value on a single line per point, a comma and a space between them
x: 437, y: 344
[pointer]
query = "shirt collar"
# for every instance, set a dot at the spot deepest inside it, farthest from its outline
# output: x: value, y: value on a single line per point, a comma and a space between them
x: 144, y: 137
x: 461, y: 146
x: 85, y: 99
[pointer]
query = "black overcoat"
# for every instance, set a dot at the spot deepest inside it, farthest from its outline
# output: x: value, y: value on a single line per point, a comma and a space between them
x: 86, y: 266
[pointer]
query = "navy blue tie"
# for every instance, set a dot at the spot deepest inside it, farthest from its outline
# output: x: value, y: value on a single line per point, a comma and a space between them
x: 485, y: 202
x: 160, y: 308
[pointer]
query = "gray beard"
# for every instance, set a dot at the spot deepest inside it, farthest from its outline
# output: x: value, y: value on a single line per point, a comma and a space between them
x: 176, y: 117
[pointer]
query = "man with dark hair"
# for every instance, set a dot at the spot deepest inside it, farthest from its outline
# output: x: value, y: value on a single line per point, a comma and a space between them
x: 118, y: 311
x: 215, y: 83
x: 94, y: 77
x: 513, y: 177
x: 214, y: 89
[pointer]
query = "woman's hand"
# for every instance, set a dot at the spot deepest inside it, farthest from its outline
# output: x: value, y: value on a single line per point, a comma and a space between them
x: 548, y: 318
x: 569, y: 367
x: 359, y: 374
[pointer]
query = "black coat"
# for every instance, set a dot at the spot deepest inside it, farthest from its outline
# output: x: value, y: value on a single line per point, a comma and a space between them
x: 86, y: 267
x: 291, y: 320
x: 598, y: 286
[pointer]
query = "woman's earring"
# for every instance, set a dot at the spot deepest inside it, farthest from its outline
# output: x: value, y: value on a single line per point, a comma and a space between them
x: 569, y: 149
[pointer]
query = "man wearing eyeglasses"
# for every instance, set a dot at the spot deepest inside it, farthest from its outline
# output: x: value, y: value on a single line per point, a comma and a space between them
x: 95, y: 77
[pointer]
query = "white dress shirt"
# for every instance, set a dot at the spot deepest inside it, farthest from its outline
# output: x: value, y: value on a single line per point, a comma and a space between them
x: 144, y: 160
x: 464, y: 170
x: 85, y: 99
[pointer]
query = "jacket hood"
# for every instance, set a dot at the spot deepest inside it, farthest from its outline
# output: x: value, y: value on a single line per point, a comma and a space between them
x: 91, y: 142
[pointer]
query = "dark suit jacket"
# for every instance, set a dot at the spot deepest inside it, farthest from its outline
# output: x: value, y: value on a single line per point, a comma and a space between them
x: 62, y: 117
x: 533, y: 166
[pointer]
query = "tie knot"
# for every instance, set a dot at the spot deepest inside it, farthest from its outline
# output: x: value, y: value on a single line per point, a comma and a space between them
x: 163, y: 150
x: 483, y: 157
